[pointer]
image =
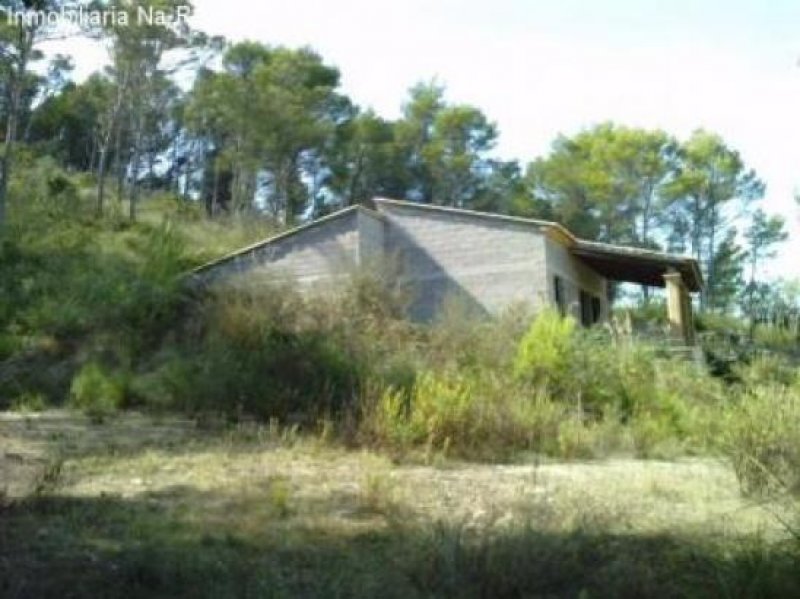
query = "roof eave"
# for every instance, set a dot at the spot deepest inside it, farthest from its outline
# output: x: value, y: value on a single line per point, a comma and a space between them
x: 694, y: 283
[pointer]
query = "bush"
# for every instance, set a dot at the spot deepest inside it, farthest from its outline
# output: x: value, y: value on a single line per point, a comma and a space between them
x: 29, y: 402
x: 566, y: 392
x: 545, y: 352
x: 767, y: 369
x: 95, y: 392
x: 474, y: 415
x: 267, y: 351
x: 761, y: 434
x: 163, y: 388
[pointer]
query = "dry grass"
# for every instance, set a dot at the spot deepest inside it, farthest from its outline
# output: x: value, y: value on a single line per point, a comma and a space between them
x: 134, y: 483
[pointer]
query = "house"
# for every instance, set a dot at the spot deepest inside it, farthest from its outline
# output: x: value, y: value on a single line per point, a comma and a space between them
x: 489, y: 260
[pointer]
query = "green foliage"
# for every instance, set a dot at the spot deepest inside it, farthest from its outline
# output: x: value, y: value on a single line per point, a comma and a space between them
x: 762, y: 436
x: 29, y: 402
x: 96, y: 392
x: 644, y: 188
x: 162, y: 387
x: 475, y: 415
x: 444, y: 147
x: 565, y: 392
x: 64, y: 125
x: 72, y: 284
x: 767, y: 369
x: 545, y: 352
x: 262, y: 350
x: 727, y: 264
x: 79, y: 290
x: 269, y: 106
x: 600, y: 375
x: 602, y: 173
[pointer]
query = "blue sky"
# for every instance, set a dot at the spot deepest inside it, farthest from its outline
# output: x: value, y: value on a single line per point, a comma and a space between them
x: 542, y: 68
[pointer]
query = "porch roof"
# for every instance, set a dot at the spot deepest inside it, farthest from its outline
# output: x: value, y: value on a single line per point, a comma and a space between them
x: 637, y: 265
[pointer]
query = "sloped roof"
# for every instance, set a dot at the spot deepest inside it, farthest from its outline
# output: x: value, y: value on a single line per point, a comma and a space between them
x: 615, y: 262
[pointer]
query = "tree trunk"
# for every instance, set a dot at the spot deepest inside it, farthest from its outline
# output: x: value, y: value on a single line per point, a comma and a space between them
x: 119, y: 169
x: 712, y: 255
x: 111, y: 126
x: 101, y: 180
x: 135, y: 164
x: 648, y: 200
x: 15, y: 95
x: 212, y: 210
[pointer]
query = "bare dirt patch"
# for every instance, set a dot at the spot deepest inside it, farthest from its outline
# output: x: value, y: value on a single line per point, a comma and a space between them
x: 133, y: 456
x: 140, y: 508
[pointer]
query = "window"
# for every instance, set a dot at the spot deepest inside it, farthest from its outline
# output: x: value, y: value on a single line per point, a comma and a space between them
x: 597, y: 310
x: 558, y: 292
x: 586, y: 309
x: 591, y: 309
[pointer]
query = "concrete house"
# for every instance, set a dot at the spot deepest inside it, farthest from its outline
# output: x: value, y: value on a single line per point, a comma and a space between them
x: 488, y: 260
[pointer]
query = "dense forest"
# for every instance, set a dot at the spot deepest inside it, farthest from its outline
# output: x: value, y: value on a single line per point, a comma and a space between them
x: 248, y: 128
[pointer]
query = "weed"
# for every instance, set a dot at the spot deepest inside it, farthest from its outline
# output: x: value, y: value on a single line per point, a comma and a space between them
x: 49, y: 477
x: 280, y: 497
x: 377, y: 494
x: 29, y: 401
x: 96, y: 393
x: 762, y: 437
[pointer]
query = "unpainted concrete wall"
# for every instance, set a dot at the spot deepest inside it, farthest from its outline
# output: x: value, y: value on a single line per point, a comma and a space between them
x: 577, y: 276
x: 372, y: 239
x: 315, y: 256
x: 487, y: 264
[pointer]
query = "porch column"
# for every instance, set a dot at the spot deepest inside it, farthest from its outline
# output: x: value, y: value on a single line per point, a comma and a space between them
x: 679, y: 308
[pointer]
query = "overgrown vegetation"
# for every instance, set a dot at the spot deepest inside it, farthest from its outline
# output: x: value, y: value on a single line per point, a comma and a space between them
x: 96, y: 312
x: 187, y: 147
x: 95, y: 316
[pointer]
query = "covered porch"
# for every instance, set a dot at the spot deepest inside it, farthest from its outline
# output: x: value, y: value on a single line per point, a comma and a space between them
x: 680, y: 276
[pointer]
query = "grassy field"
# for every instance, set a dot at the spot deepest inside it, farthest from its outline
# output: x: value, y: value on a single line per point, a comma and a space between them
x: 143, y: 507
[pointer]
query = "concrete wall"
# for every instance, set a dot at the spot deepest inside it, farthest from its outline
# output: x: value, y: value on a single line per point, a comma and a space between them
x: 319, y: 254
x: 372, y: 239
x: 576, y: 276
x: 488, y: 264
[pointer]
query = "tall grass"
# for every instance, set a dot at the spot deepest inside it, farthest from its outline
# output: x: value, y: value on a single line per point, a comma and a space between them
x: 75, y: 289
x: 762, y: 436
x: 85, y: 302
x: 560, y: 391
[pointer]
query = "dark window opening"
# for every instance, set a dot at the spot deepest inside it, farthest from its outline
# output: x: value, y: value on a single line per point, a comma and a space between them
x: 597, y: 310
x: 590, y: 309
x: 586, y: 309
x: 558, y: 291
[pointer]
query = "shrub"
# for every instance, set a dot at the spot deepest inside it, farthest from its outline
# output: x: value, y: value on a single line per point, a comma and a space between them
x: 29, y: 402
x: 575, y: 439
x: 566, y: 392
x: 268, y: 351
x: 546, y: 350
x: 761, y: 434
x: 95, y: 392
x: 471, y: 414
x: 164, y: 387
x: 767, y: 369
